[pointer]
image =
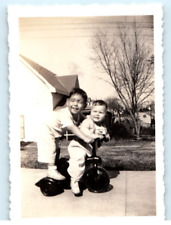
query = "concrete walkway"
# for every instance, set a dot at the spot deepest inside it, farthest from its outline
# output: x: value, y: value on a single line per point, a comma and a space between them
x: 133, y: 194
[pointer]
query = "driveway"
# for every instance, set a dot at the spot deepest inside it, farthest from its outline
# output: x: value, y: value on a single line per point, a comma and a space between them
x: 132, y: 194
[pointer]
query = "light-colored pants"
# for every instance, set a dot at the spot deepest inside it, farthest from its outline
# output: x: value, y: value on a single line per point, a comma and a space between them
x: 77, y: 155
x: 48, y: 145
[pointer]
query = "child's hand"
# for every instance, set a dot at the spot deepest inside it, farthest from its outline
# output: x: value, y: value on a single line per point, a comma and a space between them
x: 107, y: 138
x: 100, y: 136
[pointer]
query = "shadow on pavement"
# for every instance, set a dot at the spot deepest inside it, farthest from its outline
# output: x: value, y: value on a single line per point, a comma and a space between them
x: 112, y: 173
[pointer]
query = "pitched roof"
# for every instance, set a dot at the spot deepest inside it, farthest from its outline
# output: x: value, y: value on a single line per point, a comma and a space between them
x: 69, y: 81
x: 50, y: 77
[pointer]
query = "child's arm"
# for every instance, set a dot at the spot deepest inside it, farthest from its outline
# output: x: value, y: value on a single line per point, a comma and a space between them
x: 85, y: 132
x: 75, y: 130
x: 106, y: 135
x: 87, y: 127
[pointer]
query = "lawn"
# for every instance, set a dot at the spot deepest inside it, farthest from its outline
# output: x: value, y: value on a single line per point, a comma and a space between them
x: 116, y: 155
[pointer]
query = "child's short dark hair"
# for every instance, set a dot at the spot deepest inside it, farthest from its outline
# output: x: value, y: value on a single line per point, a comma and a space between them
x: 100, y: 102
x: 80, y: 92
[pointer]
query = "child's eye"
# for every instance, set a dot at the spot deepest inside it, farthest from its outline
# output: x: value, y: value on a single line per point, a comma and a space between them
x: 74, y: 100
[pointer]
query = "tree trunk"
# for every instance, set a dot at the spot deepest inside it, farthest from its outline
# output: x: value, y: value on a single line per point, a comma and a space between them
x: 136, y: 123
x: 137, y: 130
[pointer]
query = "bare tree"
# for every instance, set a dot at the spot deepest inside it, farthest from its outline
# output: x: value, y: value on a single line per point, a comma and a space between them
x: 114, y: 105
x: 127, y: 60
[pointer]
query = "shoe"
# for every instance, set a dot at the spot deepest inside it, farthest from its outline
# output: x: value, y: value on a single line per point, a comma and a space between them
x: 75, y: 188
x: 55, y: 174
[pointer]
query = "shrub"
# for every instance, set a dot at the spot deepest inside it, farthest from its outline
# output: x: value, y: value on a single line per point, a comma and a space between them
x: 119, y: 130
x: 147, y: 131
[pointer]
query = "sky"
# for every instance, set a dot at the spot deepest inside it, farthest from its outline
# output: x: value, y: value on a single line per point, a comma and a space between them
x: 63, y: 45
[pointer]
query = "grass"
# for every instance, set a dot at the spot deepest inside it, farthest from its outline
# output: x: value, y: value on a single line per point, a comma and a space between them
x: 116, y: 155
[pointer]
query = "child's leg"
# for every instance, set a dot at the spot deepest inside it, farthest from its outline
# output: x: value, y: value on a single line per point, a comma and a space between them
x: 47, y: 151
x: 46, y: 145
x: 52, y: 168
x: 76, y: 166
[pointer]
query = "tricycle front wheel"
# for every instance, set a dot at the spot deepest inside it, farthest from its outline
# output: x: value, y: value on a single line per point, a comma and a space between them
x: 97, y: 179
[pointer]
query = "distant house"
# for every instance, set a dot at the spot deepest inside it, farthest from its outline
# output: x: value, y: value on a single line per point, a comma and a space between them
x: 41, y: 91
x: 145, y: 119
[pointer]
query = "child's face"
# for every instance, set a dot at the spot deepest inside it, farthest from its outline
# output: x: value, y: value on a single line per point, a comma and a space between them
x: 98, y: 113
x: 76, y: 104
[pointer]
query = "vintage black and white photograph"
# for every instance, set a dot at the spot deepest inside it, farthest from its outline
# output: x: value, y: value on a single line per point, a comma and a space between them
x: 86, y: 112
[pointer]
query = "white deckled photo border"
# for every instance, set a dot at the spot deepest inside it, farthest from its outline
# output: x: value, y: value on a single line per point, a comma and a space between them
x: 14, y: 13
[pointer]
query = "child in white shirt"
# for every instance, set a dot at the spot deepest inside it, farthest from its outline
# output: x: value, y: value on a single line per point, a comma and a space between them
x: 62, y: 119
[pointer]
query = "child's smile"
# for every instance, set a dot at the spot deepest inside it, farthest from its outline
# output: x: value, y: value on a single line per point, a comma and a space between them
x: 76, y: 104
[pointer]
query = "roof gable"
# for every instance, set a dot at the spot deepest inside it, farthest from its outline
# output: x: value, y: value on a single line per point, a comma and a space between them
x: 47, y: 75
x: 69, y: 81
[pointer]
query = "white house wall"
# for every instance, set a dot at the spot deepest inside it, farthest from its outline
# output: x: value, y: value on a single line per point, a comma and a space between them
x: 35, y: 101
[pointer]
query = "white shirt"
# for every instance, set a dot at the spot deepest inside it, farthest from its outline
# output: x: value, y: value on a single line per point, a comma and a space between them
x: 60, y: 119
